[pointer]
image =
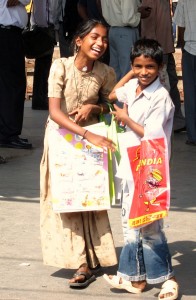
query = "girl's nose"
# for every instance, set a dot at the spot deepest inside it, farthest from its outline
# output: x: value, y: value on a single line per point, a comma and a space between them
x: 100, y: 41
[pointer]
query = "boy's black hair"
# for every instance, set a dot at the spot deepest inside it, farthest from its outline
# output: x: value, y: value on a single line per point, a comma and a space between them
x: 149, y: 48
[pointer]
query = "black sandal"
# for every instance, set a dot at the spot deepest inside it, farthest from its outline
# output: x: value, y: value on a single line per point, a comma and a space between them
x: 88, y: 277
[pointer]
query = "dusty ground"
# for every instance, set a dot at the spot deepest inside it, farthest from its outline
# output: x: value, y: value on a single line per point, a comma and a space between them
x: 30, y: 69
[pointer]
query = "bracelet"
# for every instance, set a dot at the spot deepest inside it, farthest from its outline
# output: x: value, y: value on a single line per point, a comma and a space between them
x: 83, y: 137
x: 101, y: 106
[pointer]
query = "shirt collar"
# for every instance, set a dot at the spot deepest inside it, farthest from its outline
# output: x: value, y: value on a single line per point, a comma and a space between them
x: 147, y: 92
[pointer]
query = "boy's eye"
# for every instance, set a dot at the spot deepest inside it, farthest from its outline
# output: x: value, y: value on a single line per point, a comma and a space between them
x: 150, y: 67
x: 137, y: 66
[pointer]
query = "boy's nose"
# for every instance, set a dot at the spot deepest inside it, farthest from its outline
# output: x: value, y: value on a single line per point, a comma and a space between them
x: 144, y: 71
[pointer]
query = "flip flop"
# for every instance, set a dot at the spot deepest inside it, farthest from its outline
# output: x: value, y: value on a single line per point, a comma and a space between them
x: 88, y: 278
x: 169, y: 286
x: 124, y: 285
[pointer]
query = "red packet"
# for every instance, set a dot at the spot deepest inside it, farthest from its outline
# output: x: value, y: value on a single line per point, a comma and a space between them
x: 150, y: 168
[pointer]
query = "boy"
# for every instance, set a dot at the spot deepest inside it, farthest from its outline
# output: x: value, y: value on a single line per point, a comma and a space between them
x: 145, y: 258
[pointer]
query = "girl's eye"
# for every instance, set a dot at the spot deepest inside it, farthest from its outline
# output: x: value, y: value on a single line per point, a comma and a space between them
x: 94, y: 37
x: 105, y: 40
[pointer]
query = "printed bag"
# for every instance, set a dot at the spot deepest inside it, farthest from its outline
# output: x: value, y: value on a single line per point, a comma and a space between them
x: 151, y: 181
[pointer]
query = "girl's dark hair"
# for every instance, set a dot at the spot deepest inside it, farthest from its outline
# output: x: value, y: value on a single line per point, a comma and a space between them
x: 149, y: 48
x: 83, y: 29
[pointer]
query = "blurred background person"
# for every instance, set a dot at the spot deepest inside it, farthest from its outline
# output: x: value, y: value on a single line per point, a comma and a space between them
x: 185, y: 18
x: 66, y: 22
x: 13, y: 18
x: 158, y: 26
x: 123, y: 18
x: 173, y: 4
x: 43, y: 16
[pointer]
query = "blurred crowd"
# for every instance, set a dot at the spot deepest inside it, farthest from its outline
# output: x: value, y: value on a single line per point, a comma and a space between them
x: 137, y: 19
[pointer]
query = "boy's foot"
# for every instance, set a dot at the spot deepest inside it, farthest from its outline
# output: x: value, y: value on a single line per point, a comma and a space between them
x: 169, y: 290
x: 120, y: 283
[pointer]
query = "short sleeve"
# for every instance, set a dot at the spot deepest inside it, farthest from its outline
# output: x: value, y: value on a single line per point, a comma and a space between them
x: 122, y: 92
x: 108, y: 83
x: 56, y: 79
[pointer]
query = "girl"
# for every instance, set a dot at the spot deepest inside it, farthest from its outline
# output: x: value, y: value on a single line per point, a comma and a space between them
x: 76, y: 85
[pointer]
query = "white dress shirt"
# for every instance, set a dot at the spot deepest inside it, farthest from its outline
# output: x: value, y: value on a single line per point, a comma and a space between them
x: 152, y: 109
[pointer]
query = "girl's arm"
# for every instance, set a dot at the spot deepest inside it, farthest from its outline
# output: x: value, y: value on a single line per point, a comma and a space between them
x: 57, y: 115
x: 83, y: 113
x: 112, y: 96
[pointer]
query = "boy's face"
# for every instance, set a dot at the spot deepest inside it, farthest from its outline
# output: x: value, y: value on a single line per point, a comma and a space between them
x: 145, y: 69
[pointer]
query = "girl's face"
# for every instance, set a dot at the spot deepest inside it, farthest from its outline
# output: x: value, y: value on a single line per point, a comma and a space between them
x: 146, y: 70
x: 94, y: 43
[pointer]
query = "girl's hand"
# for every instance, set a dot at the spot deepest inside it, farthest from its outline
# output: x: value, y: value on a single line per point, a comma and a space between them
x: 82, y: 114
x: 120, y: 114
x: 100, y: 141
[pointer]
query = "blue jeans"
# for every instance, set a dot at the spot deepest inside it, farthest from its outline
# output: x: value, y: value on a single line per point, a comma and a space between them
x: 189, y: 85
x: 121, y: 40
x: 145, y: 255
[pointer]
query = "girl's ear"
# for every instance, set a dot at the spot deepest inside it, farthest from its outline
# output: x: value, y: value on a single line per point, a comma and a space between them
x: 78, y: 42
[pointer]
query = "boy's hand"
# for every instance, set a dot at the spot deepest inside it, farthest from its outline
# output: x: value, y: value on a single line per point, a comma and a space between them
x: 121, y: 114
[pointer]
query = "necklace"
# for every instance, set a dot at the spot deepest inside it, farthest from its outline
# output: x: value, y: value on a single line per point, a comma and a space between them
x: 84, y: 69
x: 84, y: 89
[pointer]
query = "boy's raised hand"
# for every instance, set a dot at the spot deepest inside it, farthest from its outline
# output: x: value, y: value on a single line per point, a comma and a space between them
x: 120, y: 114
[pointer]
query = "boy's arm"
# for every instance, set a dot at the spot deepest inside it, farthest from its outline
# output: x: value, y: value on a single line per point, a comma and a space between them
x: 112, y: 96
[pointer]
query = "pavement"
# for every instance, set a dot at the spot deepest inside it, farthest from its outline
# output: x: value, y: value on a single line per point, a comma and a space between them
x: 22, y: 273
